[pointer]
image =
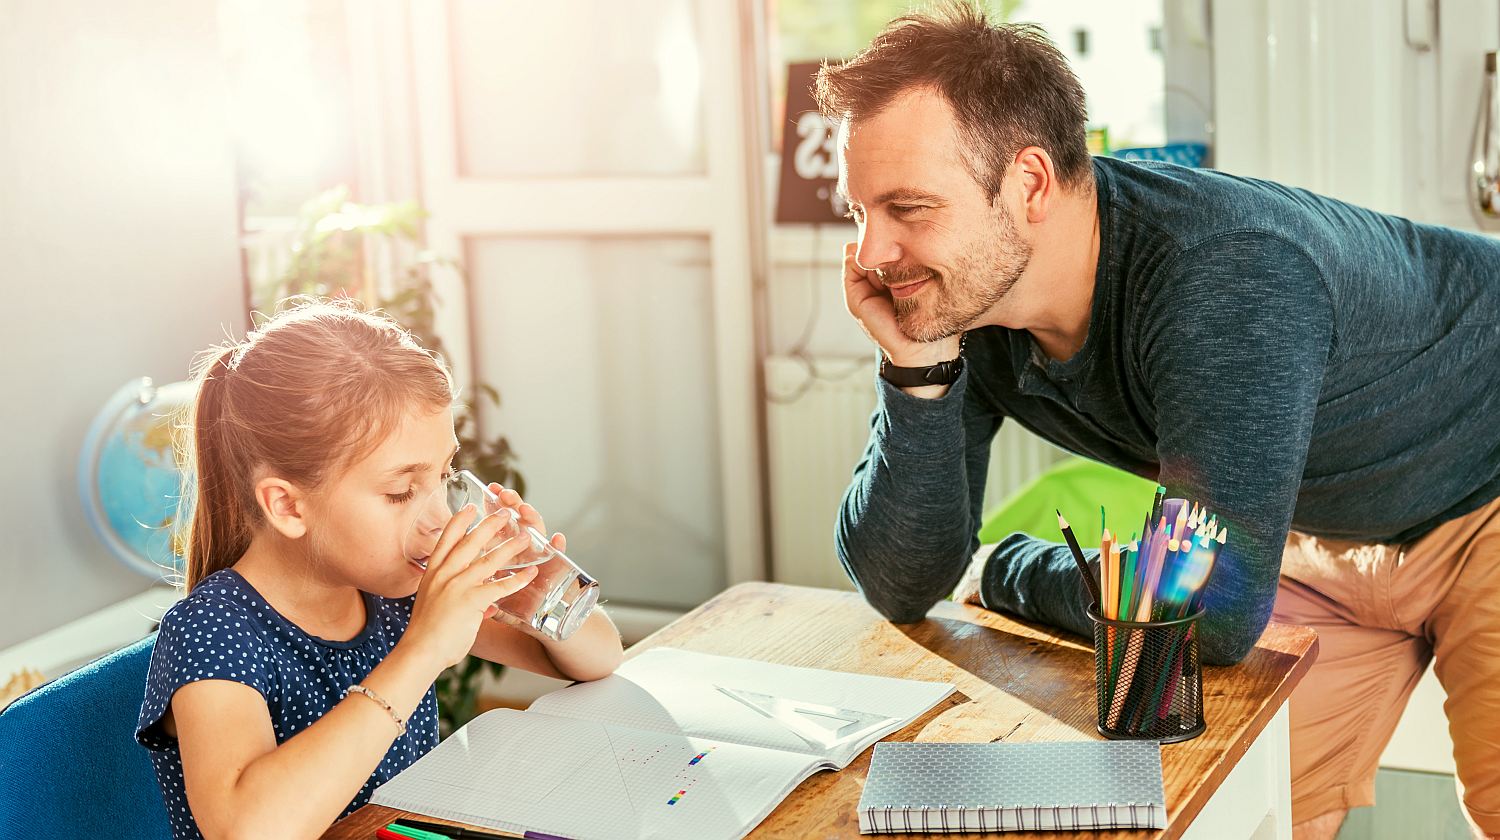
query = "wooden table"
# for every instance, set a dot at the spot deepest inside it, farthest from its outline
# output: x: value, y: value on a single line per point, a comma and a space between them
x: 1016, y: 682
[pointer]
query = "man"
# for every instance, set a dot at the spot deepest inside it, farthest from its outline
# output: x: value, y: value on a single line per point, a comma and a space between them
x: 1288, y: 360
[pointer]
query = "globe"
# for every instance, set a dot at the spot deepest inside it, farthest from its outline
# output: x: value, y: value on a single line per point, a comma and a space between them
x: 128, y: 479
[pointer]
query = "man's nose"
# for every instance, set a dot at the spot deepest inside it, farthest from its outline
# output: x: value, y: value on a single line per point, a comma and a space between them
x: 877, y: 247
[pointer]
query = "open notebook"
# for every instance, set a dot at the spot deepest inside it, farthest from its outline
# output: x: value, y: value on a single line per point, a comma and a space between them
x: 674, y: 744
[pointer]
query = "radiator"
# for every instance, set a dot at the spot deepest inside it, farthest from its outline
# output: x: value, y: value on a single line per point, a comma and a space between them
x: 816, y: 429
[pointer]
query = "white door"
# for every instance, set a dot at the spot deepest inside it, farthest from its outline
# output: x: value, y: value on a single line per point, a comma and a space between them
x: 587, y: 162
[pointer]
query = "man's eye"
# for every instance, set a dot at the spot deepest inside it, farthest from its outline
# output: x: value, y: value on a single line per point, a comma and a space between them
x: 401, y: 498
x: 905, y: 209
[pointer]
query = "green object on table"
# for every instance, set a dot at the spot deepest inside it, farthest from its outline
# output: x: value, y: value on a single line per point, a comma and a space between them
x: 1072, y: 486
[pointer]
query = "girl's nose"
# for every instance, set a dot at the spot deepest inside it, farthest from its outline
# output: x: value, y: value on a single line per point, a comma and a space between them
x: 434, y: 514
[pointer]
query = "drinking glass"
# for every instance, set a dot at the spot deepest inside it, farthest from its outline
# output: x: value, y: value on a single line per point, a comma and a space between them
x: 556, y: 603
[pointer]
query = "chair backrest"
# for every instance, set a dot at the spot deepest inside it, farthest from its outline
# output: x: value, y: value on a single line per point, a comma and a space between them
x: 69, y: 763
x: 1077, y: 487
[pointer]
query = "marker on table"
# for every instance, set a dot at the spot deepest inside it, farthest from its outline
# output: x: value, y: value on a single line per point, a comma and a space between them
x: 397, y: 830
x: 460, y: 833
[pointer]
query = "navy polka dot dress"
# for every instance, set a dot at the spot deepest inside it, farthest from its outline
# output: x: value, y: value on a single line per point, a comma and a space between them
x: 224, y: 630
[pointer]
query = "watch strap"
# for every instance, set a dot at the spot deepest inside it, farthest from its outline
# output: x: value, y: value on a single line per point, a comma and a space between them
x: 942, y: 373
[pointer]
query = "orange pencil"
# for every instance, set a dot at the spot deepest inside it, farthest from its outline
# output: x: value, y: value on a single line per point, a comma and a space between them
x: 1105, y: 541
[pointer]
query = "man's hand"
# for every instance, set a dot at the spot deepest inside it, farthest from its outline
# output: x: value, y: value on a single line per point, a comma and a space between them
x: 967, y: 591
x: 870, y: 303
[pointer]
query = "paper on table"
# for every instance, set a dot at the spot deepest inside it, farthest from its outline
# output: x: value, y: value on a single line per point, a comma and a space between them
x: 675, y: 744
x: 516, y: 771
x: 824, y: 727
x: 678, y: 691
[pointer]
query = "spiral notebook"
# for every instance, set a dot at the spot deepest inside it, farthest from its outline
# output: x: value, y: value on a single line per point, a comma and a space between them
x: 1075, y: 785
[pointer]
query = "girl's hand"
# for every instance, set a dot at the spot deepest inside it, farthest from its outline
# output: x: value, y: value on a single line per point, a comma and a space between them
x: 530, y: 518
x: 455, y: 594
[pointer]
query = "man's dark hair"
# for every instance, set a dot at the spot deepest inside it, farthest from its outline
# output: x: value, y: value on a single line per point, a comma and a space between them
x: 1007, y: 84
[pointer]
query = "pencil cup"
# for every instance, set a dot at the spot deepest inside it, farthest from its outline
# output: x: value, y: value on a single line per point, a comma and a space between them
x: 1148, y: 683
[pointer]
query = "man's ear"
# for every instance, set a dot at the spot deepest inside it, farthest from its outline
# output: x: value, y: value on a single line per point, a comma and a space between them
x: 1037, y: 180
x: 283, y: 505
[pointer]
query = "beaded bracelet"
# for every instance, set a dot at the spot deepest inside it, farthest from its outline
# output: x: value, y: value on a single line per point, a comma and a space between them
x: 359, y: 689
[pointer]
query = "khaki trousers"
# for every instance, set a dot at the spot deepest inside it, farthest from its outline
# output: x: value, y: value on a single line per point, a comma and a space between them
x: 1382, y: 613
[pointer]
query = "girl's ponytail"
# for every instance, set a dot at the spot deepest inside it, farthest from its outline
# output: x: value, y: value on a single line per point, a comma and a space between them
x: 219, y: 529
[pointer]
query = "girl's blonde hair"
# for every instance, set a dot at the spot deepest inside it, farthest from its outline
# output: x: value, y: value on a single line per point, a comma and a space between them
x: 314, y: 388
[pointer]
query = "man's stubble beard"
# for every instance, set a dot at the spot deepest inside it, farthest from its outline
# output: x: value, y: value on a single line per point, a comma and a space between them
x: 980, y: 278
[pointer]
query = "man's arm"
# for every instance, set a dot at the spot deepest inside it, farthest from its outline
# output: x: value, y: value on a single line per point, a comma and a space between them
x: 1235, y: 344
x: 908, y: 522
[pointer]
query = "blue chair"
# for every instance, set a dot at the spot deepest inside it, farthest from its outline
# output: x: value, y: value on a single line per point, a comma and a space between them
x: 69, y: 764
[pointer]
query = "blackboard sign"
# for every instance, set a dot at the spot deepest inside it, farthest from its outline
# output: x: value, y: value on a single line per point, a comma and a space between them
x: 809, y: 156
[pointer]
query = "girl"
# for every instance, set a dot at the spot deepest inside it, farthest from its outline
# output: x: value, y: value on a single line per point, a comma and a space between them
x: 297, y: 674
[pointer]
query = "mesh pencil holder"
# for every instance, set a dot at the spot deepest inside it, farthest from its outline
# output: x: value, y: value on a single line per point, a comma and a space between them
x: 1148, y: 681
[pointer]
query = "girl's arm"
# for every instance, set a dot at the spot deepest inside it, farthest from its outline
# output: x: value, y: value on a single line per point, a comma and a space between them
x: 593, y: 651
x: 240, y: 783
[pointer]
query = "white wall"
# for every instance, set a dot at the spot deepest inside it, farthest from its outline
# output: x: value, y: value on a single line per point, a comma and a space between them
x: 118, y: 259
x: 1372, y: 103
x: 1121, y: 75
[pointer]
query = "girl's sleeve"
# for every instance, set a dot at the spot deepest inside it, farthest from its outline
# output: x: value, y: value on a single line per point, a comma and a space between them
x: 199, y: 641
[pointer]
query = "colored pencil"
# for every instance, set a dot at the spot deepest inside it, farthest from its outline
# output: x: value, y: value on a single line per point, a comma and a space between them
x: 1106, y: 544
x: 1078, y: 558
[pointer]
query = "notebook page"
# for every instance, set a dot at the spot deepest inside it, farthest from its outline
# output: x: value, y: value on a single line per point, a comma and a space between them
x: 678, y: 691
x: 518, y: 771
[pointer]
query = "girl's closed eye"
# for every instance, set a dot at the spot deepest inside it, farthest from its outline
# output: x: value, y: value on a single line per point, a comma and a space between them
x: 410, y: 492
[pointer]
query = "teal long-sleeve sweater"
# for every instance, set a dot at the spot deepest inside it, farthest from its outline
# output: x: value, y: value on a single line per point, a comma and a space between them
x: 1284, y: 358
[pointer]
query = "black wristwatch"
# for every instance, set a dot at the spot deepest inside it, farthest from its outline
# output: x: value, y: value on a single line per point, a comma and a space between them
x: 942, y: 373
